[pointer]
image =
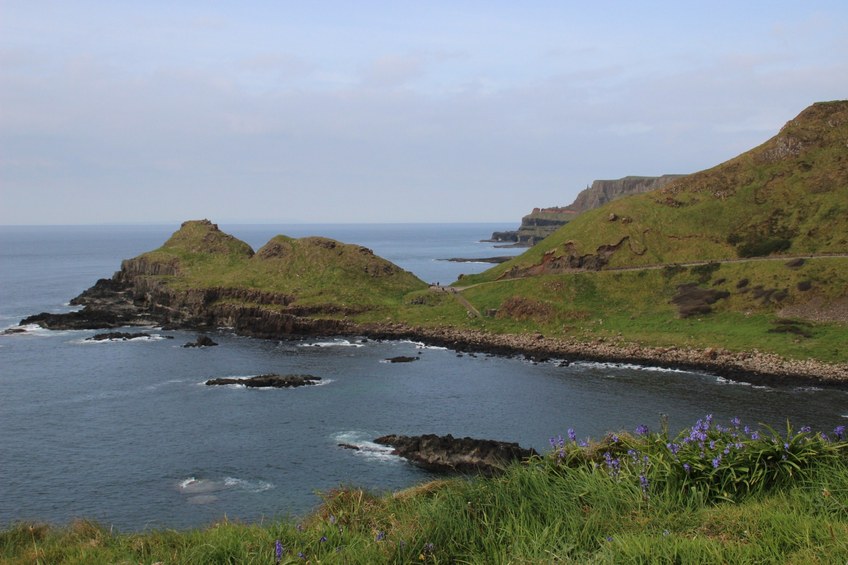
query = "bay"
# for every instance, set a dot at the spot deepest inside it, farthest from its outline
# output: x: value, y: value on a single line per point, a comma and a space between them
x: 126, y: 433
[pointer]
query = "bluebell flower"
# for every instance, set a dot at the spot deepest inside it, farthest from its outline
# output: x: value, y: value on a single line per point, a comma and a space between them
x: 839, y: 432
x: 687, y: 468
x: 642, y: 430
x: 755, y: 435
x: 278, y: 550
x: 614, y: 438
x: 571, y: 434
x: 643, y: 482
x: 735, y: 421
x: 323, y: 539
x: 380, y: 536
x: 806, y: 429
x: 716, y: 461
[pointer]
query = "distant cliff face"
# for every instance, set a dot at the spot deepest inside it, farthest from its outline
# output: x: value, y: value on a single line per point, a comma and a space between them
x: 542, y: 222
x: 603, y: 191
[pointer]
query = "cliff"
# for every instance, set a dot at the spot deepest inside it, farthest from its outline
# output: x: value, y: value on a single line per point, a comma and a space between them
x: 603, y: 191
x: 542, y: 222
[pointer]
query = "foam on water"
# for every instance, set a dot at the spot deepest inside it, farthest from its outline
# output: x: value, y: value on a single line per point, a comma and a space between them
x: 421, y: 345
x: 366, y: 448
x: 193, y: 486
x: 631, y: 366
x: 334, y: 343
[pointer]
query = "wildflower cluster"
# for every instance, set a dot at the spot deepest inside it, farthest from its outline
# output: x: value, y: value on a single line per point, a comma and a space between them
x: 721, y: 462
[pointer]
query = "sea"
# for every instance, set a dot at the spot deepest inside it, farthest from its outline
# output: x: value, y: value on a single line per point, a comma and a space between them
x: 127, y: 434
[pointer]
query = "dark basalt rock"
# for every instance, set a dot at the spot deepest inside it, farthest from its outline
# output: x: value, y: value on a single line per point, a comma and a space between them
x: 268, y: 381
x: 12, y: 331
x: 464, y: 455
x: 201, y: 341
x: 123, y: 336
x: 401, y: 359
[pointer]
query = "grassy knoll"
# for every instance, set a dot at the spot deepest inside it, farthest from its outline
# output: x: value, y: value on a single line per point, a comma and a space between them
x: 715, y: 493
x: 312, y: 270
x: 767, y: 305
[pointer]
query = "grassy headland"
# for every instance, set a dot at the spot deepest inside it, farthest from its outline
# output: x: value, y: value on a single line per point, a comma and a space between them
x: 715, y: 493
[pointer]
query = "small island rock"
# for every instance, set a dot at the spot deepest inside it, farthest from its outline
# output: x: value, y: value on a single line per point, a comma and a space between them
x: 464, y: 455
x: 268, y: 381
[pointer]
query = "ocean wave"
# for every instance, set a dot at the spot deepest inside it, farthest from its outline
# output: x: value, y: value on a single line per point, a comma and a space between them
x: 361, y: 447
x: 422, y: 345
x: 726, y: 381
x: 631, y: 366
x: 334, y: 343
x: 193, y: 486
x: 35, y: 330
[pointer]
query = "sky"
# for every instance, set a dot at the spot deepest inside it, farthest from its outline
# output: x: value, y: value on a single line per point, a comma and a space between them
x: 367, y: 111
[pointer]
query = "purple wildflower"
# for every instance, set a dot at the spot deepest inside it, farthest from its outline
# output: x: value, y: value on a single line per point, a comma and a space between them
x: 839, y: 432
x: 278, y: 550
x: 642, y: 430
x: 583, y: 443
x: 806, y: 429
x: 755, y: 435
x: 735, y: 421
x: 572, y: 435
x: 643, y: 482
x: 673, y: 447
x: 687, y: 468
x: 614, y: 438
x: 323, y: 539
x: 380, y: 536
x: 716, y: 461
x: 824, y: 436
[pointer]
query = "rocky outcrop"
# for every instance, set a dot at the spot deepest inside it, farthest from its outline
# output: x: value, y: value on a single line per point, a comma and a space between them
x: 268, y: 381
x: 463, y: 455
x: 201, y: 341
x: 120, y: 336
x: 535, y: 226
x: 542, y: 222
x: 603, y: 191
x: 401, y: 359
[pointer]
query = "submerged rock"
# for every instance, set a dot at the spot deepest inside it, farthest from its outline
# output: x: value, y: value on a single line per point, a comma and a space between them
x: 464, y: 455
x: 201, y: 341
x: 401, y: 359
x: 268, y: 381
x: 123, y: 336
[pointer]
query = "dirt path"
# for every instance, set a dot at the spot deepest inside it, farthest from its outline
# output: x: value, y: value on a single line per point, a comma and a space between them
x: 783, y: 258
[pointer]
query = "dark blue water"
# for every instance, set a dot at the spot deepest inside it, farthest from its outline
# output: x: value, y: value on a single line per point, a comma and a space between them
x: 126, y: 433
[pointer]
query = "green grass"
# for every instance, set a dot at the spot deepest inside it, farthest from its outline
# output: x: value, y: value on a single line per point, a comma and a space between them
x: 772, y: 497
x: 636, y: 307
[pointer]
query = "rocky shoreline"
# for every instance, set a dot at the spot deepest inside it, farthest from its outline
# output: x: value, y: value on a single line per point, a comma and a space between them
x: 132, y: 297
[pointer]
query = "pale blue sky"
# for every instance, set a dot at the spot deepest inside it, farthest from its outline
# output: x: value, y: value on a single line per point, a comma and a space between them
x: 274, y: 111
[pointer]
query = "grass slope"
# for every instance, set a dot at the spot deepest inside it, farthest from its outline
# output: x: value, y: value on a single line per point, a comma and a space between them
x: 315, y: 271
x: 789, y: 195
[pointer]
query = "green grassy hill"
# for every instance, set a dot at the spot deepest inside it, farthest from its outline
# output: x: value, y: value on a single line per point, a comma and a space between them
x: 311, y: 271
x: 703, y: 262
x: 787, y: 196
